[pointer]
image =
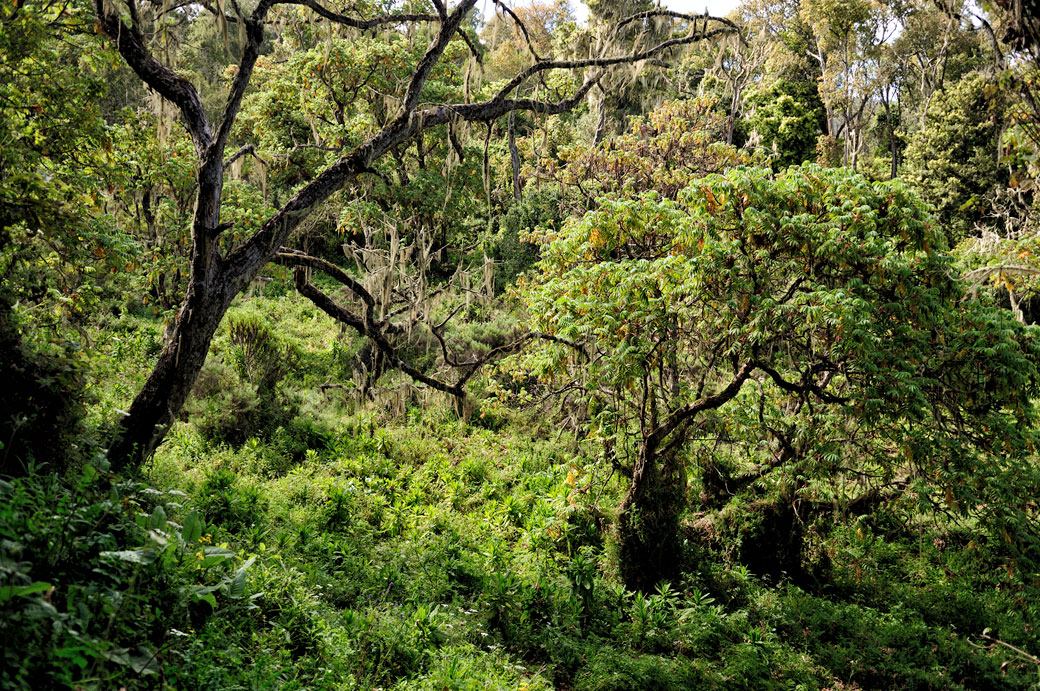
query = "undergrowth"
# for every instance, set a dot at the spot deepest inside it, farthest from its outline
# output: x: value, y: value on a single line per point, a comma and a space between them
x: 331, y: 547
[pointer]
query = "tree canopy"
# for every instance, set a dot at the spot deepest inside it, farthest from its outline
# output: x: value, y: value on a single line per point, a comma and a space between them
x: 811, y: 285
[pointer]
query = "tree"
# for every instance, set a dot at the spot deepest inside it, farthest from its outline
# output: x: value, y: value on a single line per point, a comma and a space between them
x: 849, y: 35
x: 1005, y: 243
x: 736, y: 65
x: 675, y: 144
x: 933, y: 48
x: 820, y: 300
x: 785, y: 116
x: 52, y: 161
x: 625, y: 26
x: 511, y: 44
x: 219, y: 272
x: 953, y: 162
x: 60, y: 253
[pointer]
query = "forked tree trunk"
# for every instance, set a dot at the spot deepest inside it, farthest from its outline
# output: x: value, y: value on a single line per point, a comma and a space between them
x: 211, y: 288
x: 649, y: 548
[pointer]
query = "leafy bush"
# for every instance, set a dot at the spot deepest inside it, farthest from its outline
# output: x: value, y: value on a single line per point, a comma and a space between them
x: 540, y: 207
x: 614, y: 670
x: 231, y: 404
x: 892, y: 650
x: 225, y: 500
x: 98, y: 586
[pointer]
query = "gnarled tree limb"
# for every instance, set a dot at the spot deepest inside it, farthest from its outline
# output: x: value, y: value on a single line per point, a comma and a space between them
x: 378, y: 331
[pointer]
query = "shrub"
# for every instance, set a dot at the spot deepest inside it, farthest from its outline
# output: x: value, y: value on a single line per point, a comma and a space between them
x: 615, y: 670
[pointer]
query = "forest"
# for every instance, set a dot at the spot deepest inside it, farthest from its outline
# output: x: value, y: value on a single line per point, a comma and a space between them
x: 528, y: 345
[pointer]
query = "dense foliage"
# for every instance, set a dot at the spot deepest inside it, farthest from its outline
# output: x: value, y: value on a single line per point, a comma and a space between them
x: 832, y: 292
x: 418, y: 346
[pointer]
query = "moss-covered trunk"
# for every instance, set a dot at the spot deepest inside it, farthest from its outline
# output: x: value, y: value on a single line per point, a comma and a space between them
x: 650, y: 550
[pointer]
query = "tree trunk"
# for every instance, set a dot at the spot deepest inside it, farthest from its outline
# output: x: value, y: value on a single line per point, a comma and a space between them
x: 211, y: 289
x: 514, y: 158
x: 894, y: 170
x: 601, y: 123
x: 648, y: 522
x: 169, y: 384
x: 648, y: 519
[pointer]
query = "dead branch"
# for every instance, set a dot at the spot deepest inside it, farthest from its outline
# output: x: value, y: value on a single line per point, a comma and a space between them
x: 247, y: 150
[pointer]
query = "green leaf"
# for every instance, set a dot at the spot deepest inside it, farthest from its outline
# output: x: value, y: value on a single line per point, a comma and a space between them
x: 144, y: 662
x: 237, y: 587
x: 192, y: 529
x: 157, y: 520
x: 9, y: 591
x: 76, y: 654
x: 211, y: 556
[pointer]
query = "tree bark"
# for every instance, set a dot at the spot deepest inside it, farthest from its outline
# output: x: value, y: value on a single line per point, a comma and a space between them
x: 173, y: 377
x: 894, y: 168
x: 649, y: 548
x: 514, y: 157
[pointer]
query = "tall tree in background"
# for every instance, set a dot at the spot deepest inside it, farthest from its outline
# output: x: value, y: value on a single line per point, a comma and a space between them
x: 511, y: 44
x: 783, y: 109
x: 954, y: 160
x: 625, y: 26
x: 1004, y: 244
x: 849, y: 38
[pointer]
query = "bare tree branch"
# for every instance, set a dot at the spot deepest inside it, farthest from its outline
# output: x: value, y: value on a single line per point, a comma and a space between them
x: 544, y: 65
x: 985, y: 272
x: 694, y: 18
x: 806, y: 386
x: 246, y: 150
x: 174, y: 88
x: 362, y: 24
x: 378, y: 331
x: 291, y: 257
x: 474, y: 51
x: 680, y: 416
x: 254, y: 30
x: 422, y: 71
